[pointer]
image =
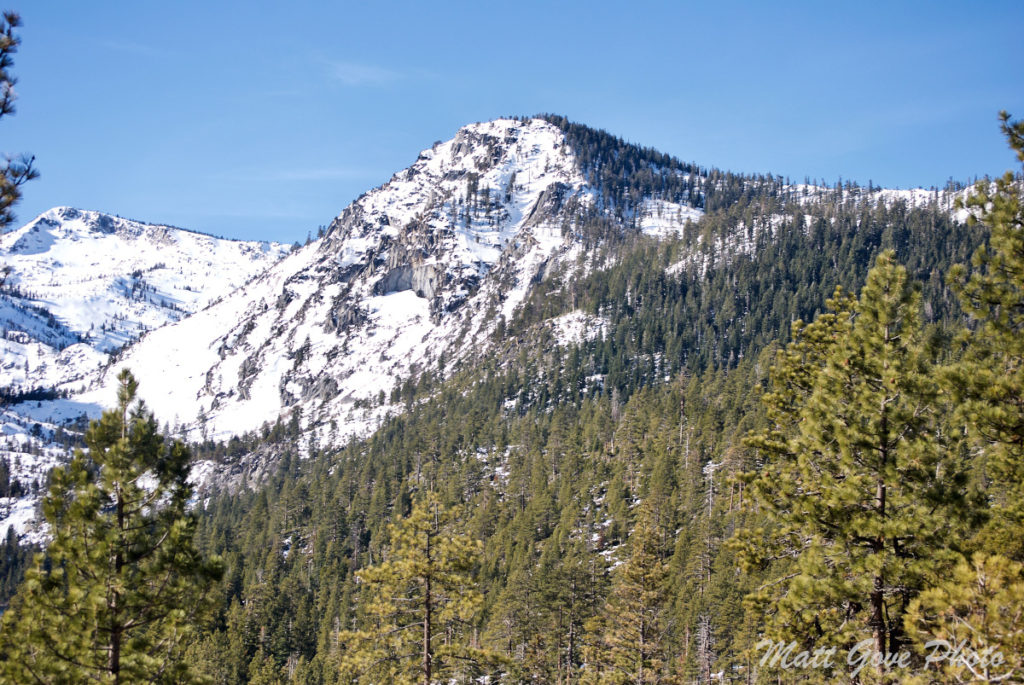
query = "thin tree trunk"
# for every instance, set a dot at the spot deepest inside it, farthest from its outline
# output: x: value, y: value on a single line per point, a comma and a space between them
x: 878, y: 591
x: 114, y: 659
x: 427, y: 656
x: 643, y: 652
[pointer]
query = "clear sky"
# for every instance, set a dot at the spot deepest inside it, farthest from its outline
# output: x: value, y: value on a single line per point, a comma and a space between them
x: 263, y: 120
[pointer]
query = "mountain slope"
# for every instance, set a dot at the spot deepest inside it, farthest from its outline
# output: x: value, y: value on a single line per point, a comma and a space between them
x: 412, y: 276
x: 544, y: 360
x: 553, y: 445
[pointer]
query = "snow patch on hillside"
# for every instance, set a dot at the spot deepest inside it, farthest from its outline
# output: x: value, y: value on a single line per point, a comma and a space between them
x: 577, y: 326
x: 28, y: 448
x: 662, y: 219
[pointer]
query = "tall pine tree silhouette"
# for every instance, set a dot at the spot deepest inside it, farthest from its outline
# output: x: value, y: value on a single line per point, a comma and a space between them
x: 988, y: 382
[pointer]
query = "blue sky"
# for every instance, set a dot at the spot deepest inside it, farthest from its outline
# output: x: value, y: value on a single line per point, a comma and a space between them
x: 263, y: 120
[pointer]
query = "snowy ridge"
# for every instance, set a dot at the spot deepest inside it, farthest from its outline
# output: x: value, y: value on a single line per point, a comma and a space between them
x: 742, y: 239
x: 76, y: 287
x: 870, y: 197
x: 82, y: 284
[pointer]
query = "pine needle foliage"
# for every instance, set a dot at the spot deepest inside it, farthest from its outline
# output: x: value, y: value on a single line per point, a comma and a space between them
x: 865, y: 486
x: 14, y: 171
x: 121, y: 586
x: 421, y: 606
x: 988, y: 382
x: 979, y: 612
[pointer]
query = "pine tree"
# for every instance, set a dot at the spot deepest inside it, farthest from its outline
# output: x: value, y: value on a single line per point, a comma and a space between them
x: 14, y: 172
x: 121, y: 586
x: 979, y: 608
x: 626, y: 642
x: 865, y: 488
x: 988, y: 382
x: 575, y: 579
x: 421, y: 606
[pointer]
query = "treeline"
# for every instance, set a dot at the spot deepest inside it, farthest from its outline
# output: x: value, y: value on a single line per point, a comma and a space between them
x: 14, y: 394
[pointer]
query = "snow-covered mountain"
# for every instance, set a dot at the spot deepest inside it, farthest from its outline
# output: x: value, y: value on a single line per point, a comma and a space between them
x: 413, y: 277
x: 414, y: 272
x: 79, y: 285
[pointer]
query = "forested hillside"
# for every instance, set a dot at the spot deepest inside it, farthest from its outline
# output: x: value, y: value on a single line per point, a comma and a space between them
x: 556, y: 452
x: 797, y: 419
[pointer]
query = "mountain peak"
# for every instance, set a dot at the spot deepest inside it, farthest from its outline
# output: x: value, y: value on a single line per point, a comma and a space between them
x: 468, y: 195
x: 412, y: 277
x: 70, y: 223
